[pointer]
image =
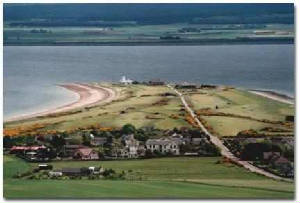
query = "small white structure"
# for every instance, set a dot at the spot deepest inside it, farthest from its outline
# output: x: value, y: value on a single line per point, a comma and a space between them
x: 125, y: 81
x: 55, y: 173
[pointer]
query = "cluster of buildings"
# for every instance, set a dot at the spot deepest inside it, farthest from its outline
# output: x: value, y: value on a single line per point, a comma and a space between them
x: 31, y: 153
x: 83, y: 171
x: 127, y: 147
x: 134, y: 148
x: 154, y: 82
x: 187, y: 85
x: 276, y: 160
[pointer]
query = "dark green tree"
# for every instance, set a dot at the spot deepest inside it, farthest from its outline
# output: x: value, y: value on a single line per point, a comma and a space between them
x: 128, y: 129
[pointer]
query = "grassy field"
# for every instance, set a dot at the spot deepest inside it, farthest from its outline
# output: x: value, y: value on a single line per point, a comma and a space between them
x: 166, y: 178
x: 125, y: 34
x: 137, y: 103
x: 239, y: 102
x: 140, y: 105
x: 170, y: 168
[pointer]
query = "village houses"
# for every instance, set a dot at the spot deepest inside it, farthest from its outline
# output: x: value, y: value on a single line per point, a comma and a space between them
x: 131, y: 146
x: 86, y: 154
x: 163, y: 145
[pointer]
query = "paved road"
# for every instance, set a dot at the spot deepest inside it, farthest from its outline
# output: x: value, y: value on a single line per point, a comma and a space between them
x: 224, y: 150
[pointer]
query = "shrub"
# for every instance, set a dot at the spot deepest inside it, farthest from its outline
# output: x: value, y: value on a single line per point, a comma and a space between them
x: 21, y: 175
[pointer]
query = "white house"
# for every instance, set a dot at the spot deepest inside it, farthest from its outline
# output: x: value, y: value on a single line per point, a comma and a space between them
x: 55, y: 173
x: 131, y: 146
x: 125, y: 81
x: 163, y: 145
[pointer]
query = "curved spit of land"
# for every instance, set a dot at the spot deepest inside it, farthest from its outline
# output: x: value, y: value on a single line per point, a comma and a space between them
x: 89, y: 95
x: 224, y: 150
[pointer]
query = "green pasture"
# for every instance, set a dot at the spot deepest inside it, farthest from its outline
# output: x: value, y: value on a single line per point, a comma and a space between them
x: 200, y: 178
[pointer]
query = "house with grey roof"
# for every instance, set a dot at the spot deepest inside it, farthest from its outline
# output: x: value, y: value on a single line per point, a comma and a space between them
x: 164, y: 145
x: 131, y: 146
x: 98, y: 141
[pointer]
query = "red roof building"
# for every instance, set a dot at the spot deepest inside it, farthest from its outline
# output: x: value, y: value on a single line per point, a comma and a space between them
x: 86, y: 154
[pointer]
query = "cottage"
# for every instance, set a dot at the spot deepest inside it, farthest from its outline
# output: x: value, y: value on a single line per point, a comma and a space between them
x: 69, y: 150
x: 131, y: 146
x: 279, y: 161
x: 23, y: 149
x: 75, y: 171
x: 163, y: 145
x: 205, y: 86
x: 45, y: 167
x: 55, y: 173
x: 270, y: 155
x: 186, y: 85
x: 156, y: 82
x: 96, y: 170
x: 98, y: 141
x: 31, y: 156
x: 197, y: 140
x: 86, y: 154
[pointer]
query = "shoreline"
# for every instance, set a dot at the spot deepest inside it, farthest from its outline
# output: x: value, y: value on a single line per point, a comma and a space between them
x: 273, y: 95
x: 182, y: 42
x: 89, y: 95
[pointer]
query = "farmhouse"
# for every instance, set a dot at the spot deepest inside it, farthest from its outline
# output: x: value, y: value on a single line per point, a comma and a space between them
x: 98, y: 141
x: 55, y: 173
x: 75, y: 171
x: 86, y: 154
x: 23, y: 149
x: 279, y: 161
x: 270, y: 155
x: 131, y: 146
x: 96, y: 170
x: 186, y: 85
x: 163, y: 145
x: 31, y: 153
x: 197, y: 140
x: 45, y: 167
x: 206, y: 86
x: 156, y: 82
x: 69, y: 150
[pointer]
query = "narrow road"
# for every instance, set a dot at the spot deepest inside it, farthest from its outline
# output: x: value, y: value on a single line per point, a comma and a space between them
x: 224, y: 150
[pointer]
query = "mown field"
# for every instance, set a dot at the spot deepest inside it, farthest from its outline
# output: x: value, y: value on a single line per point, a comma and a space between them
x: 179, y: 177
x: 239, y: 102
x: 139, y: 105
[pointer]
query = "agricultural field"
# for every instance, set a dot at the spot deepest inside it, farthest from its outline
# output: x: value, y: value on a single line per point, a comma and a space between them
x: 239, y: 103
x: 140, y: 105
x: 134, y: 33
x: 179, y: 177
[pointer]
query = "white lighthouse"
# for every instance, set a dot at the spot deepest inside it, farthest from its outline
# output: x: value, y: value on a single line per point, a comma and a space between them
x: 125, y: 81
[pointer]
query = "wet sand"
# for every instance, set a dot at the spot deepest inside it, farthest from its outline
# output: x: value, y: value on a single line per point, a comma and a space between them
x: 274, y: 95
x: 89, y: 95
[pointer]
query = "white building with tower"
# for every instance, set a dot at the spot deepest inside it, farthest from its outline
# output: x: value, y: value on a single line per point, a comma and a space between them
x: 125, y: 81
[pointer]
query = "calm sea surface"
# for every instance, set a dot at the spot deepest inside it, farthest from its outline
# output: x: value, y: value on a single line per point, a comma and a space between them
x: 31, y: 73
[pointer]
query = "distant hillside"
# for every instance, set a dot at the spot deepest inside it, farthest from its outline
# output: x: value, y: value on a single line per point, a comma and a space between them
x: 85, y: 14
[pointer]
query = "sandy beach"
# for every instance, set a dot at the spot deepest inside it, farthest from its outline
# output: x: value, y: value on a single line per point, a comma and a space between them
x: 273, y: 95
x: 89, y: 95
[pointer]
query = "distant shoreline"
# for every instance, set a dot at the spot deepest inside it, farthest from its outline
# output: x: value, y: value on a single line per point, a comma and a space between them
x: 239, y: 41
x: 89, y: 95
x: 273, y: 95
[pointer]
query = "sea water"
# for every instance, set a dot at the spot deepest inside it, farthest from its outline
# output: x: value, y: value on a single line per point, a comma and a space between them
x: 31, y: 73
